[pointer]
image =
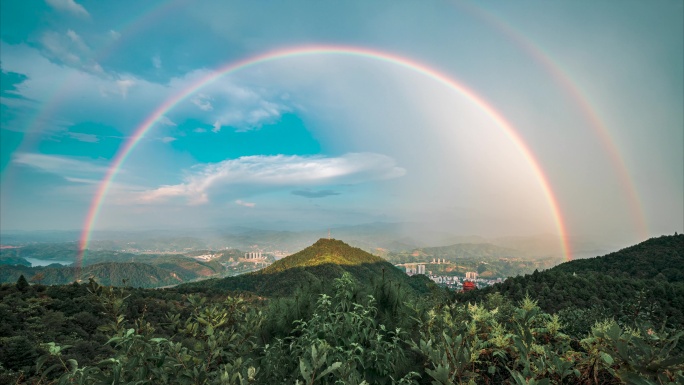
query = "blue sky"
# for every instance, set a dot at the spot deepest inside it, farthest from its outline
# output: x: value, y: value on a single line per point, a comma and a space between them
x: 327, y: 140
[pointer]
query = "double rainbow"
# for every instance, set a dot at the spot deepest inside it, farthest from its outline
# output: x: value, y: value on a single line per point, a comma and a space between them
x: 375, y: 55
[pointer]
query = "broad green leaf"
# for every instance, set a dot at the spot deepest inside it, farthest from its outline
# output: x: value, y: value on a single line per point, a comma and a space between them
x: 607, y: 358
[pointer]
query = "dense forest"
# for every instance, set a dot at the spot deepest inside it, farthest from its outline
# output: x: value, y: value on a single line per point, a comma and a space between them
x: 349, y: 329
x: 644, y: 281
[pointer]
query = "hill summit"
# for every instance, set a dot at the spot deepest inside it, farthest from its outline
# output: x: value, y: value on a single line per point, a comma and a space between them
x: 317, y: 265
x: 324, y: 251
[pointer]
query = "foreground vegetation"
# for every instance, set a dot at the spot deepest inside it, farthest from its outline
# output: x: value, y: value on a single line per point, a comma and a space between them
x: 343, y: 331
x: 346, y: 336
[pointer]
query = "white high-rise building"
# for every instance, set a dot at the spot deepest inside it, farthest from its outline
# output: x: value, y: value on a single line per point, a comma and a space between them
x: 253, y: 255
x: 471, y: 275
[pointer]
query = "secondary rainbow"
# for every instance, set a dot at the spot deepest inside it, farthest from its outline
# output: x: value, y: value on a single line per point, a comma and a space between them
x: 381, y: 56
x: 62, y: 88
x: 579, y: 98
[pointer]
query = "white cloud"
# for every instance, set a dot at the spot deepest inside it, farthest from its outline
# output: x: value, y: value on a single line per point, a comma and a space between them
x: 81, y: 137
x: 124, y: 85
x: 70, y: 49
x: 276, y: 172
x: 168, y: 139
x: 252, y: 117
x: 203, y: 102
x: 76, y: 39
x: 231, y: 104
x: 59, y: 48
x: 200, y: 130
x: 235, y: 106
x: 59, y: 165
x: 114, y: 34
x: 83, y: 180
x: 68, y: 6
x: 245, y: 204
x: 164, y: 120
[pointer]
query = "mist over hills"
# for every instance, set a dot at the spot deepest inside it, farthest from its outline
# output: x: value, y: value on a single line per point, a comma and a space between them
x: 483, y: 251
x: 376, y: 238
x: 173, y: 251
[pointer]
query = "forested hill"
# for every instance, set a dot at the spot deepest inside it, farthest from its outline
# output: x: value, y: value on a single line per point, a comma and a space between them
x: 317, y: 266
x: 643, y: 281
x: 133, y: 274
x: 650, y: 259
x: 324, y: 251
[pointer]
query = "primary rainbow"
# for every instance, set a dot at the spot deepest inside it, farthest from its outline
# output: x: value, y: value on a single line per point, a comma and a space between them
x: 381, y: 56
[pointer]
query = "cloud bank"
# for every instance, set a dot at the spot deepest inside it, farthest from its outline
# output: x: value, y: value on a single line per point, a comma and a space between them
x: 68, y: 6
x: 268, y: 172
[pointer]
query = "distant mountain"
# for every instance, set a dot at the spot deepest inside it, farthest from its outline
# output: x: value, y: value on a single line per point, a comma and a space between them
x: 8, y: 259
x: 65, y: 251
x: 111, y: 268
x: 484, y: 251
x: 318, y: 264
x: 109, y: 273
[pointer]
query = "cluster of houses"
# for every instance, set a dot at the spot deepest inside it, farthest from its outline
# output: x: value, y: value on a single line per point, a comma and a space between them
x: 471, y: 280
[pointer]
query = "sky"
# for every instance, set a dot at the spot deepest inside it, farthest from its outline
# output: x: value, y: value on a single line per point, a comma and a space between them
x: 489, y: 118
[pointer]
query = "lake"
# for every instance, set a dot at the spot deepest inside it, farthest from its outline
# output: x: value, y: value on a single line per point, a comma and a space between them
x: 44, y: 262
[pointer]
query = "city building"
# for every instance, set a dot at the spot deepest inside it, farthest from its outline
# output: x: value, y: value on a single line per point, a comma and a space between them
x: 468, y: 286
x: 253, y: 255
x: 471, y: 275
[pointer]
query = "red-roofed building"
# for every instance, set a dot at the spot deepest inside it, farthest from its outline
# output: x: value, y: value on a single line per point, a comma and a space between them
x: 468, y: 286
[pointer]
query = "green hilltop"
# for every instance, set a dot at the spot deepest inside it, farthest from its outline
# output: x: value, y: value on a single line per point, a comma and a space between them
x: 323, y: 252
x: 317, y: 265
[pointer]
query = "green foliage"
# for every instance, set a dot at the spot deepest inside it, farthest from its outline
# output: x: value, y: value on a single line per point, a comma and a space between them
x: 663, y: 255
x: 212, y: 346
x: 341, y: 341
x: 22, y: 283
x: 110, y: 273
x: 493, y: 342
x: 344, y: 331
x: 324, y: 251
x: 582, y: 293
x: 635, y: 356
